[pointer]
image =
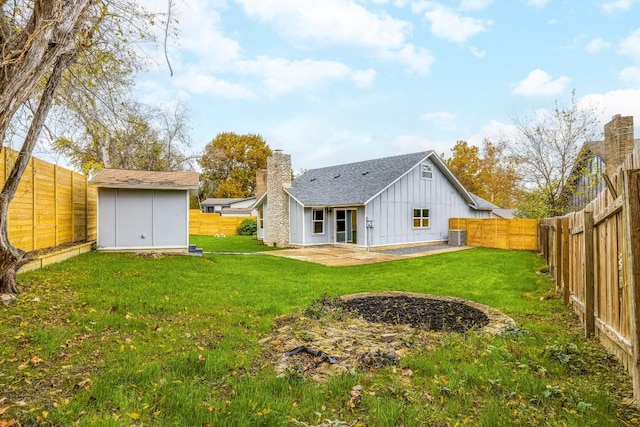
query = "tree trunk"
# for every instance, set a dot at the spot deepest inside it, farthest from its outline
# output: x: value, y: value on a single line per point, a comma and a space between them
x: 12, y: 258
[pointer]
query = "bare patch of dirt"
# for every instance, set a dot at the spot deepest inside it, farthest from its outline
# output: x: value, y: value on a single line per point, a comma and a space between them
x: 370, y: 331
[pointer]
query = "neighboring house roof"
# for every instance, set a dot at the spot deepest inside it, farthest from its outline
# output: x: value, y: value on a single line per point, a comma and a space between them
x: 123, y: 178
x: 484, y: 204
x: 211, y: 201
x: 358, y: 183
x: 503, y: 213
x: 236, y: 211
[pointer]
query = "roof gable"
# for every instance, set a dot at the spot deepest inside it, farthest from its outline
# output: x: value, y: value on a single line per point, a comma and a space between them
x: 123, y: 178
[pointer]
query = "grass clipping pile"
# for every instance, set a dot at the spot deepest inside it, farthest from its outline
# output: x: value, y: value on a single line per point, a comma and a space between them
x: 371, y: 330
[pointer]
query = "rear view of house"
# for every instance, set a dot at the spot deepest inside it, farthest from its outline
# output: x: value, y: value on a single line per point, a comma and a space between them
x: 400, y: 200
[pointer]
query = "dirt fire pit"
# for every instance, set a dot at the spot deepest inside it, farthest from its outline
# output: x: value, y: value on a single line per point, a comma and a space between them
x: 371, y: 330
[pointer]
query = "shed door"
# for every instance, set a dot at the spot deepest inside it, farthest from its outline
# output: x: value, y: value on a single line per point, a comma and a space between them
x: 134, y: 222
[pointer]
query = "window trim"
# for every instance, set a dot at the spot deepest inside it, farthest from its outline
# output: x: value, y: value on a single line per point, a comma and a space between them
x: 428, y: 166
x: 315, y: 221
x: 261, y: 218
x: 421, y: 218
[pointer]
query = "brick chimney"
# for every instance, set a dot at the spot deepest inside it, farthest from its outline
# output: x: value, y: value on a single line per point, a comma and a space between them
x: 261, y: 182
x: 618, y: 141
x: 278, y: 177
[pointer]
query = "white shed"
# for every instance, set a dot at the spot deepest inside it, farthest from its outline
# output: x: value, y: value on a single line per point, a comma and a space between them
x: 142, y: 210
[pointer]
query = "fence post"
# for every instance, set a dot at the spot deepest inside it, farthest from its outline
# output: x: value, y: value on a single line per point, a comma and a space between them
x: 588, y: 275
x: 565, y: 260
x: 34, y: 202
x: 56, y: 224
x: 558, y: 255
x: 631, y: 213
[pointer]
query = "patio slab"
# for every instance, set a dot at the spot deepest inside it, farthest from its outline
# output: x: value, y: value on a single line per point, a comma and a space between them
x: 344, y: 256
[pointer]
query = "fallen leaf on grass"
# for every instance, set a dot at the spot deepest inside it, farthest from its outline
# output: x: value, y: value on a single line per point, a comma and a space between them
x: 356, y: 395
x: 201, y: 358
x: 8, y: 423
x: 5, y: 409
x: 35, y: 360
x: 84, y: 383
x: 134, y: 415
x: 406, y: 372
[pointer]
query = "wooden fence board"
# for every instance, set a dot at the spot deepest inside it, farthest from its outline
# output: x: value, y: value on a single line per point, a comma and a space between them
x: 52, y: 205
x: 499, y: 233
x: 603, y: 256
x: 213, y: 223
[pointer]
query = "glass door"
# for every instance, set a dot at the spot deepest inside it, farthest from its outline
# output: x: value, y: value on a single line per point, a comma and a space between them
x: 346, y: 226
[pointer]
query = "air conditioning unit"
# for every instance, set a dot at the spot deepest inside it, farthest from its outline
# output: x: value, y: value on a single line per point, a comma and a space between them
x: 458, y: 237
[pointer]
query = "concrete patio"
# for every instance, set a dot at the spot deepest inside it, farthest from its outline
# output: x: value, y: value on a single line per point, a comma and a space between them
x: 344, y: 256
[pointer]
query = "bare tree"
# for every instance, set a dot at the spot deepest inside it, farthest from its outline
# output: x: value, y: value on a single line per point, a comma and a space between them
x: 546, y: 148
x: 40, y: 40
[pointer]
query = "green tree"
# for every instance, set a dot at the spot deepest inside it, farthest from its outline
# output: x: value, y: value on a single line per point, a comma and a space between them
x: 488, y: 173
x: 230, y: 164
x: 546, y: 147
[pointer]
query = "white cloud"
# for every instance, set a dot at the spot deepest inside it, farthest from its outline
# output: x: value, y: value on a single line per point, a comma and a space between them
x: 412, y: 144
x: 597, y: 45
x: 617, y: 6
x: 539, y: 84
x: 537, y: 3
x: 477, y: 52
x: 494, y: 131
x: 330, y: 23
x: 416, y: 59
x: 446, y: 24
x: 202, y: 34
x: 630, y: 46
x: 280, y: 76
x: 364, y: 78
x: 631, y: 76
x: 467, y: 5
x: 623, y: 102
x: 204, y: 84
x: 342, y: 23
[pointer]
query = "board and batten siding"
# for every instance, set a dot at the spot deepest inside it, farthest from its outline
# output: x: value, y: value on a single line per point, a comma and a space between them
x: 392, y: 210
x: 297, y: 222
x: 142, y: 219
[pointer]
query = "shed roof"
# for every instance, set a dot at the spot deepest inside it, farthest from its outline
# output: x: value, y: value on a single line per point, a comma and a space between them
x: 358, y: 183
x: 123, y: 178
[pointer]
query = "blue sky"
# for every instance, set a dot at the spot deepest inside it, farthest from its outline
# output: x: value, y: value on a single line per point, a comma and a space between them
x: 338, y: 81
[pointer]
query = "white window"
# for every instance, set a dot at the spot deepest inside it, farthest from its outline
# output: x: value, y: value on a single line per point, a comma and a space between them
x: 318, y: 221
x: 421, y: 218
x: 427, y: 171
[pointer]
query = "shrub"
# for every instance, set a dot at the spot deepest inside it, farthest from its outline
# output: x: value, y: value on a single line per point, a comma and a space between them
x: 248, y: 227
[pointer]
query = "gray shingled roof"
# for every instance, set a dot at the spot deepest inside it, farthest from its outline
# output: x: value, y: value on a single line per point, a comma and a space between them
x: 356, y: 183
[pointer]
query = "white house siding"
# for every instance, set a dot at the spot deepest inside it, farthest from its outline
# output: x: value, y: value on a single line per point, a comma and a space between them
x: 139, y: 219
x: 296, y: 222
x: 392, y: 210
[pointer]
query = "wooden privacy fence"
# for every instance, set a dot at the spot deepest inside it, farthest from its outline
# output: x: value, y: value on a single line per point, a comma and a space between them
x: 51, y: 207
x: 498, y: 233
x: 594, y: 257
x: 214, y: 223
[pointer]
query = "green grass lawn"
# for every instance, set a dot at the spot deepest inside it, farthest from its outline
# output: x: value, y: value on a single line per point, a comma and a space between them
x: 113, y: 339
x: 229, y: 244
